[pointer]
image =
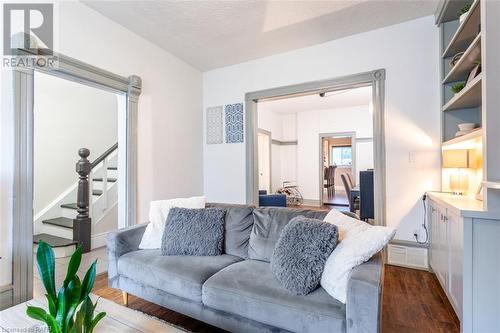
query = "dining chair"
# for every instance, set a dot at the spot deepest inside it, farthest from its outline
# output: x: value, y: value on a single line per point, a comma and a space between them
x: 351, y: 179
x: 353, y: 202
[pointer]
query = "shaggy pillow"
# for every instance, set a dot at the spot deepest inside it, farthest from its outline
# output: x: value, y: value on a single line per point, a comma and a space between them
x: 158, y: 212
x: 301, y: 252
x: 195, y: 232
x: 358, y: 242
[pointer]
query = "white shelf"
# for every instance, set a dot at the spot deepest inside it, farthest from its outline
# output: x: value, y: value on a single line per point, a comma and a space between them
x: 466, y: 32
x: 449, y: 9
x: 491, y: 184
x: 472, y: 135
x: 462, y: 68
x: 468, y: 97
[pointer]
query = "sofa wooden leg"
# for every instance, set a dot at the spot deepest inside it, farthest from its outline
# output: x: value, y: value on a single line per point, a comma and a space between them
x: 125, y: 298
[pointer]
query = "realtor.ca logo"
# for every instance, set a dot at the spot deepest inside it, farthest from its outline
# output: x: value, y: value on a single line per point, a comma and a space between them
x: 28, y: 35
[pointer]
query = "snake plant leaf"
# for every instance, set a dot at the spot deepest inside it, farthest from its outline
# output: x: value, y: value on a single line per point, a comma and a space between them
x: 96, y: 320
x: 52, y: 305
x: 72, y: 295
x: 79, y: 318
x: 36, y: 313
x: 88, y: 281
x: 61, y: 307
x: 88, y: 309
x: 52, y: 324
x: 40, y: 314
x: 73, y: 266
x: 46, y: 267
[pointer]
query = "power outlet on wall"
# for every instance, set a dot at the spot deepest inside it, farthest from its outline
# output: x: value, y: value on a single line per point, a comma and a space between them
x: 416, y: 234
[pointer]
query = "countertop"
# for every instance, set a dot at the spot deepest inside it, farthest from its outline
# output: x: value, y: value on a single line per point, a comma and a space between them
x: 463, y: 206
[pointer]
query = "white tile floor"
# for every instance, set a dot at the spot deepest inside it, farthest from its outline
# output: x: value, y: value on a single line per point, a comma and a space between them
x: 62, y: 265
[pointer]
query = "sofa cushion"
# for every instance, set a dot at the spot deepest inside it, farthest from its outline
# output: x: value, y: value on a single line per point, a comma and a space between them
x: 301, y: 252
x: 267, y: 227
x: 195, y: 232
x: 249, y: 289
x: 238, y: 226
x: 181, y: 276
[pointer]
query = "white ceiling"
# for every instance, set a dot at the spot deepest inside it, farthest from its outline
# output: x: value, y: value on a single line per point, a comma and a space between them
x: 212, y: 34
x: 333, y: 100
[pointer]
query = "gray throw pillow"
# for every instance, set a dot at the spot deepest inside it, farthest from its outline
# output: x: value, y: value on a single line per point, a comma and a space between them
x: 301, y: 252
x: 195, y: 232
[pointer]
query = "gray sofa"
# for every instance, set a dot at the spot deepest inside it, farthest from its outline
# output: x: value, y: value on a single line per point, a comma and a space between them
x: 237, y: 291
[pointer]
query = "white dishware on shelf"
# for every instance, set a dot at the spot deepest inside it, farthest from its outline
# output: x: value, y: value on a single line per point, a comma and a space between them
x: 466, y: 126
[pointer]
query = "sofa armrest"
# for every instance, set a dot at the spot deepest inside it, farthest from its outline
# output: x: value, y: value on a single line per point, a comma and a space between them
x: 121, y: 242
x: 364, y: 296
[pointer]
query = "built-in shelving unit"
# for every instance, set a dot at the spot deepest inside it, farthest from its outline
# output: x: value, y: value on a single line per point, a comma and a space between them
x: 460, y: 71
x: 464, y: 229
x: 466, y: 32
x: 466, y: 137
x: 460, y: 38
x: 468, y: 97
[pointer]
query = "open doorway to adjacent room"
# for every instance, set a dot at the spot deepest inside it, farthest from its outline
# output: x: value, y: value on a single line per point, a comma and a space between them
x: 337, y: 151
x: 317, y: 148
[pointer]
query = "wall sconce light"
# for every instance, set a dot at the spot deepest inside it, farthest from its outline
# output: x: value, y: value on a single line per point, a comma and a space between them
x: 457, y: 159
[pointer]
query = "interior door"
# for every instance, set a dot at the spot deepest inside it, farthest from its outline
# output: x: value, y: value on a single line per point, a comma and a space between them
x: 264, y: 150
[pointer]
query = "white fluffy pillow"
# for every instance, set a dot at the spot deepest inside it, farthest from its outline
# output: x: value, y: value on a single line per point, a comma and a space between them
x: 358, y: 242
x: 158, y: 212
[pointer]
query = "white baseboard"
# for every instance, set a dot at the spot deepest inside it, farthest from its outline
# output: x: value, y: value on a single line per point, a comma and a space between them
x: 98, y: 240
x: 310, y: 202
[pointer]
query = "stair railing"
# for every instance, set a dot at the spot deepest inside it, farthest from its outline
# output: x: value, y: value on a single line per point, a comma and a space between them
x: 104, y: 158
x: 82, y: 224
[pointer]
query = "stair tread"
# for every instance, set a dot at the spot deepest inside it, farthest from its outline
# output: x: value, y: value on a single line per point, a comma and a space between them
x: 96, y: 192
x: 72, y: 205
x: 99, y: 179
x: 112, y: 168
x: 61, y: 222
x: 53, y: 241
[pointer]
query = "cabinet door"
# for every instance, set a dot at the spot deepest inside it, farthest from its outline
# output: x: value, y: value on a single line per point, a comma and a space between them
x: 442, y: 260
x: 433, y: 225
x: 455, y: 227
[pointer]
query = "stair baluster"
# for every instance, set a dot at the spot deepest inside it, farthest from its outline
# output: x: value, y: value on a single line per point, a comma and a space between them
x: 105, y: 183
x: 82, y: 226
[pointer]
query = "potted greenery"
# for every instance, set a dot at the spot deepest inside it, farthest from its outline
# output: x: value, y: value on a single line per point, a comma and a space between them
x: 456, y: 88
x: 70, y: 309
x: 463, y: 12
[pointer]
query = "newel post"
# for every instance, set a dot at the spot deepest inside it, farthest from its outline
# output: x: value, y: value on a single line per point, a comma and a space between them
x: 82, y: 226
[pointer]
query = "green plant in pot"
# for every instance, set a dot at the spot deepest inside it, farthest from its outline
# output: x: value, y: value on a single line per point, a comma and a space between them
x: 463, y: 12
x: 70, y: 308
x: 456, y: 88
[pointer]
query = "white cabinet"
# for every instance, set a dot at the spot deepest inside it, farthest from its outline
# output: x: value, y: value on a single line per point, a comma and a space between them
x: 465, y: 255
x: 446, y: 252
x: 456, y: 244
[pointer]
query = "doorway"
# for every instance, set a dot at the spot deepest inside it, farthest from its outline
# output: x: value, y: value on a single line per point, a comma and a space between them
x: 374, y: 79
x: 21, y: 113
x: 264, y: 147
x: 338, y: 158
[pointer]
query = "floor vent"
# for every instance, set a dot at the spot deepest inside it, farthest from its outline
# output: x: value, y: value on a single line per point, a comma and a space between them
x: 408, y: 256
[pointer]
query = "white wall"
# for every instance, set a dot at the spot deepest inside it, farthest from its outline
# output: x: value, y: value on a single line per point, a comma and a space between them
x: 170, y: 162
x: 407, y: 52
x: 310, y: 124
x: 283, y: 127
x: 68, y: 116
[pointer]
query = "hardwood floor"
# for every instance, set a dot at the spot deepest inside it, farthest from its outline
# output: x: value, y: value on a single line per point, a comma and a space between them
x: 413, y: 301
